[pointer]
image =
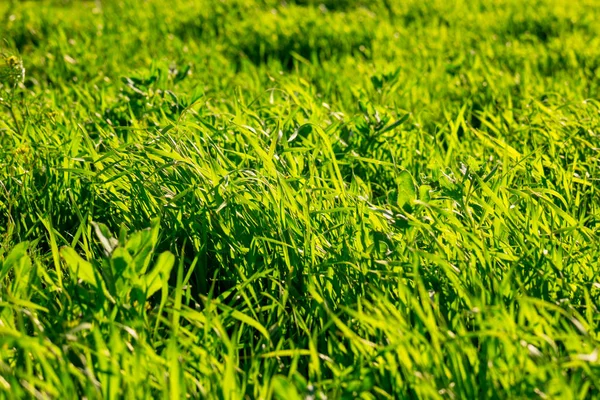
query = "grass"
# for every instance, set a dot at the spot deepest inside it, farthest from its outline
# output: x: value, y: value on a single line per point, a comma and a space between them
x: 300, y: 200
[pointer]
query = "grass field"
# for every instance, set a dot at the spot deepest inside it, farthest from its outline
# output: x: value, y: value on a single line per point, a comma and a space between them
x: 300, y: 199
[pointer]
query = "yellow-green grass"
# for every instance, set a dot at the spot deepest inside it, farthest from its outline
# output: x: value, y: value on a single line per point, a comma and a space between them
x: 300, y: 200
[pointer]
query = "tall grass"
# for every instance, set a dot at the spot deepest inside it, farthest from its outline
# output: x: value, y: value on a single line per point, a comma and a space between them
x: 264, y: 199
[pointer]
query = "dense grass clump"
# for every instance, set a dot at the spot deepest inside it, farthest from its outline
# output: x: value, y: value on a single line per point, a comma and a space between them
x: 299, y: 199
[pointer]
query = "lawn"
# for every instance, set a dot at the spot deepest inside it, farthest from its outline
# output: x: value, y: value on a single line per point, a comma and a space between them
x: 300, y: 199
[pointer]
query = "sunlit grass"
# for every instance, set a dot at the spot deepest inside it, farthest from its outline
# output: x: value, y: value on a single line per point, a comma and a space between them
x: 258, y: 199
